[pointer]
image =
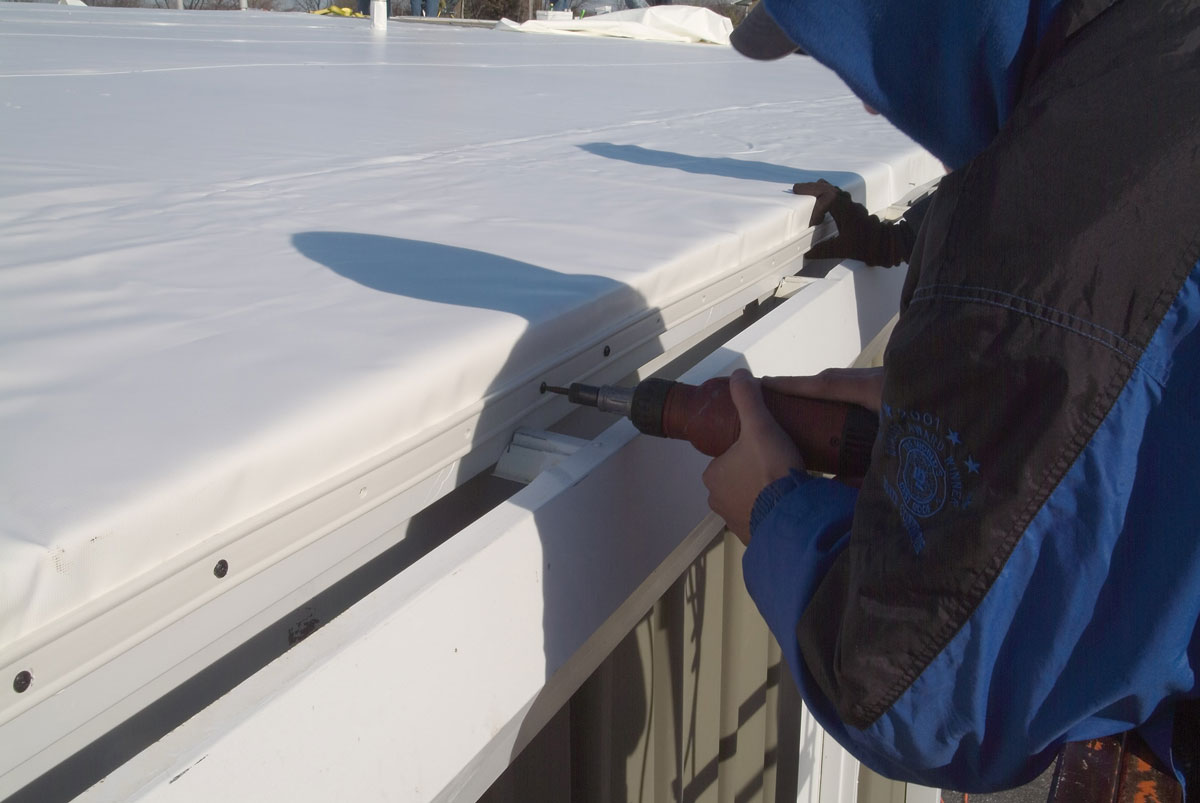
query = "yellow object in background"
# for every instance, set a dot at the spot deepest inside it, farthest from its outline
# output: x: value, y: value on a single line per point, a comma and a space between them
x: 339, y: 11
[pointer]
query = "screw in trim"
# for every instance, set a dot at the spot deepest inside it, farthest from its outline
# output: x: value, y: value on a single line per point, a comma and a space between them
x: 22, y: 681
x: 607, y: 351
x: 222, y: 568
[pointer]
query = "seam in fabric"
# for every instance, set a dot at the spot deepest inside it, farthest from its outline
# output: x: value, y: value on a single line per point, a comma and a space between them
x: 934, y: 288
x: 1038, y: 313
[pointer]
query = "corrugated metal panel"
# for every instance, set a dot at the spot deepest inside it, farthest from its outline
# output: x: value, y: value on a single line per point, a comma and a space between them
x: 694, y: 705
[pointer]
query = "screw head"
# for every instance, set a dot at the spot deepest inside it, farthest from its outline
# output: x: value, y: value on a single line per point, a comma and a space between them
x: 222, y: 568
x: 22, y: 681
x: 607, y: 351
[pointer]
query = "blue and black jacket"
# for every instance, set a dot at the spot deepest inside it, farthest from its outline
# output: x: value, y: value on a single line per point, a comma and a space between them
x: 1021, y: 567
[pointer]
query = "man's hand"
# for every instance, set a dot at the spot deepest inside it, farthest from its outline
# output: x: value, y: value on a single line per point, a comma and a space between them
x: 824, y: 195
x: 762, y: 454
x: 862, y: 386
x: 861, y: 235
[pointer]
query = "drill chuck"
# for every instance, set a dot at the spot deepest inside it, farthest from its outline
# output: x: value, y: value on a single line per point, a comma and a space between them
x: 606, y: 398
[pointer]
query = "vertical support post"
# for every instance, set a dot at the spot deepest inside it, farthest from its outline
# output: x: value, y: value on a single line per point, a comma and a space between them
x: 379, y: 15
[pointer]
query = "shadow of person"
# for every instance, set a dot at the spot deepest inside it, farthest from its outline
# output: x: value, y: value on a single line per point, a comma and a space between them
x: 549, y: 301
x: 619, y: 698
x: 464, y: 277
x: 449, y: 274
x: 727, y: 167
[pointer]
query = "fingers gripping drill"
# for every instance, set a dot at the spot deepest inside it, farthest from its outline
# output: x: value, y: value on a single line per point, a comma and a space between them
x: 833, y: 437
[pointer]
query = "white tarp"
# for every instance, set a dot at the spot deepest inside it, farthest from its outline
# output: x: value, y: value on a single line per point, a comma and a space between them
x: 245, y: 253
x: 656, y: 23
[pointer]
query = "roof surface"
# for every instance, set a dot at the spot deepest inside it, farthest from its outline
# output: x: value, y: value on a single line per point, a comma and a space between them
x: 245, y: 253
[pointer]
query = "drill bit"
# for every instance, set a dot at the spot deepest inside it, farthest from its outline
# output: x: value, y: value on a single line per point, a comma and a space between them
x: 607, y: 398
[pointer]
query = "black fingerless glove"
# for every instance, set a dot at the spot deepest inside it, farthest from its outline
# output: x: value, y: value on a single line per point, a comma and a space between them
x: 861, y: 235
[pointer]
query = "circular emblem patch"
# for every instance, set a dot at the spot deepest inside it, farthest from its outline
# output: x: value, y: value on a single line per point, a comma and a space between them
x: 922, y: 478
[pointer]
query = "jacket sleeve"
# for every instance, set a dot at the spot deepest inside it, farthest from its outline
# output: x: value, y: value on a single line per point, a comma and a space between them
x: 800, y: 525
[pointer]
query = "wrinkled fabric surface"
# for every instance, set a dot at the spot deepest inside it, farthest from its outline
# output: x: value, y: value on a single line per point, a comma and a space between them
x: 246, y: 254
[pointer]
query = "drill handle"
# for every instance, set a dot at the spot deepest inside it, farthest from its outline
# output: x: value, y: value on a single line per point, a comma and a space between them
x: 833, y: 437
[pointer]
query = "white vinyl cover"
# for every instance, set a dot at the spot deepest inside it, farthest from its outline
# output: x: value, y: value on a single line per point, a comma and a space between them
x: 656, y: 23
x: 244, y: 253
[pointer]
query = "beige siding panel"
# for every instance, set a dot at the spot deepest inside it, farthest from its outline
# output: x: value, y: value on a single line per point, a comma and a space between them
x: 743, y: 693
x: 694, y: 706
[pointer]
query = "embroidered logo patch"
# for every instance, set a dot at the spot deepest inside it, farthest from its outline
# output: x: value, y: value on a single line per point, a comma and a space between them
x: 934, y: 471
x: 922, y: 479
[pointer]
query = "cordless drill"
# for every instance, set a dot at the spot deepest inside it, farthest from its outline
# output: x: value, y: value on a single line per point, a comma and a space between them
x: 833, y: 437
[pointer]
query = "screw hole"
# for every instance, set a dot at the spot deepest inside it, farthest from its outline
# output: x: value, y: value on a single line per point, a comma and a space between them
x: 222, y: 568
x: 22, y: 681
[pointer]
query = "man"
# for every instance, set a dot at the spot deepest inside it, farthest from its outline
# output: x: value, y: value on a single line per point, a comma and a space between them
x: 1021, y: 566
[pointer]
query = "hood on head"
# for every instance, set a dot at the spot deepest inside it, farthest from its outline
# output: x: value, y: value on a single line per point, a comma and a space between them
x: 945, y: 72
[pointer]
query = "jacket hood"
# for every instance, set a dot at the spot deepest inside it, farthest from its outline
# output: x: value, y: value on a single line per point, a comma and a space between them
x: 945, y: 72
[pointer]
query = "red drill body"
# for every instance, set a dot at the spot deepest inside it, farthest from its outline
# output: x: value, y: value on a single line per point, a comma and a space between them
x: 833, y: 437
